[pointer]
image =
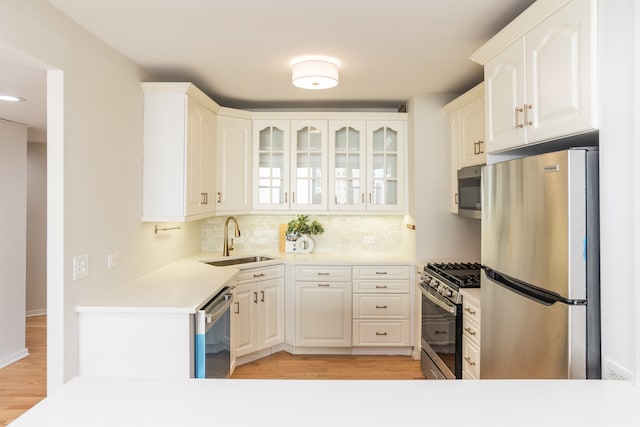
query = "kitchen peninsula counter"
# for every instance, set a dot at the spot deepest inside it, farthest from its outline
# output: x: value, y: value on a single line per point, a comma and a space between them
x: 142, y: 402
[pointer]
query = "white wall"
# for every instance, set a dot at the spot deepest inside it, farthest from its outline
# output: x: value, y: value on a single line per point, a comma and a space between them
x: 36, y: 293
x: 439, y: 234
x: 620, y: 181
x: 13, y: 231
x: 94, y: 150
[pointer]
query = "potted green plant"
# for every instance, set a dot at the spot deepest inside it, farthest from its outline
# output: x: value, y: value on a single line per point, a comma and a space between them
x: 298, y: 231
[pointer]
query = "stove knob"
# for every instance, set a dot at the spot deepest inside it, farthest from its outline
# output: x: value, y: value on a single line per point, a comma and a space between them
x: 448, y: 293
x: 435, y: 284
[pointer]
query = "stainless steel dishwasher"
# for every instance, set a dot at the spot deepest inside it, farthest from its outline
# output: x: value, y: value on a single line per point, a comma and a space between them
x: 213, y: 336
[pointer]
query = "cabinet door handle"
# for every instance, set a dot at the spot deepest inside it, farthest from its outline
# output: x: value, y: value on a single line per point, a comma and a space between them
x: 202, y: 199
x: 237, y: 308
x: 324, y: 285
x: 468, y: 310
x: 381, y: 306
x: 206, y: 198
x: 255, y: 297
x: 370, y: 198
x: 475, y: 148
x: 261, y: 296
x: 468, y: 360
x: 456, y: 198
x: 480, y: 145
x: 258, y: 274
x: 219, y: 197
x: 518, y: 125
x: 286, y: 197
x: 381, y: 286
x: 293, y: 197
x: 526, y: 108
x: 362, y: 194
x: 471, y: 331
x: 381, y: 334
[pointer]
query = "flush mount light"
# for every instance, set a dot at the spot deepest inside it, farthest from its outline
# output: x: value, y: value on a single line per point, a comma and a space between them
x: 315, y: 74
x: 10, y: 98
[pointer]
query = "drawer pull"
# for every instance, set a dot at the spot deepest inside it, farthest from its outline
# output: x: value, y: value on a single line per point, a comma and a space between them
x: 471, y: 331
x: 261, y: 296
x: 323, y: 274
x: 471, y: 312
x: 381, y: 334
x: 324, y: 285
x: 255, y: 297
x: 468, y: 360
x: 381, y: 306
x: 258, y: 275
x: 381, y: 286
x: 441, y: 332
x: 381, y: 272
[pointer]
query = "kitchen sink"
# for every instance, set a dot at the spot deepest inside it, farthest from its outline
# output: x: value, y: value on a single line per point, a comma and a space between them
x: 235, y: 261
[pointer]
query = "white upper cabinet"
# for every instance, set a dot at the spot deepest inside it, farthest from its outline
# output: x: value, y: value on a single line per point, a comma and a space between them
x: 335, y: 165
x: 466, y: 136
x: 309, y: 165
x: 233, y: 165
x: 179, y: 153
x: 385, y: 166
x: 542, y: 84
x: 271, y: 164
x: 347, y: 165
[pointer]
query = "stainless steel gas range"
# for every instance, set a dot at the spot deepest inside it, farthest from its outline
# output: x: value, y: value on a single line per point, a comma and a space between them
x: 441, y: 355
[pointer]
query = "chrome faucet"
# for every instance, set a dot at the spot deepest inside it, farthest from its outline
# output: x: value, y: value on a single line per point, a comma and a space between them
x: 225, y: 247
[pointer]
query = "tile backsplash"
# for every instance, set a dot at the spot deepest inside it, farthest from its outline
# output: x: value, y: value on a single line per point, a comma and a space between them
x: 345, y: 233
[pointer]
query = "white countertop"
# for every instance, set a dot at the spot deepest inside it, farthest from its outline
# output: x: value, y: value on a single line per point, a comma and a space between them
x: 179, y: 287
x: 184, y: 285
x: 117, y: 402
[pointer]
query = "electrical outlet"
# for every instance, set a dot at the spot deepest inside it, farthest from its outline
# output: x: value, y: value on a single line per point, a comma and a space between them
x: 80, y: 266
x: 113, y: 259
x: 369, y: 240
x: 613, y: 371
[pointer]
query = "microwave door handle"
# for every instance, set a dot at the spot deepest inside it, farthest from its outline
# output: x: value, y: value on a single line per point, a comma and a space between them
x: 443, y: 305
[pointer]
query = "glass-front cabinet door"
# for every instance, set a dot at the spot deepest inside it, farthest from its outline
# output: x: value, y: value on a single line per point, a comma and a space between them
x: 271, y: 164
x: 309, y: 164
x: 347, y: 165
x: 385, y: 160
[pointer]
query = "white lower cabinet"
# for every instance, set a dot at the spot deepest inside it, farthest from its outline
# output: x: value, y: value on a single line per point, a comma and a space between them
x: 381, y: 306
x: 258, y: 310
x: 322, y: 306
x: 470, y: 333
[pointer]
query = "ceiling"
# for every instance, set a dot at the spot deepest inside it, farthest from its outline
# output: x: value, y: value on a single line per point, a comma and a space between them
x: 240, y: 52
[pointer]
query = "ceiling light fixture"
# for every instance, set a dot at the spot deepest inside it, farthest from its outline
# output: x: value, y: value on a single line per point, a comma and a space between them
x: 10, y: 98
x: 315, y: 74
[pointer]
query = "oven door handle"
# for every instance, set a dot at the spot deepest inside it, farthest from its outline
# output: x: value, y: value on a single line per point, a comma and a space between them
x: 437, y: 301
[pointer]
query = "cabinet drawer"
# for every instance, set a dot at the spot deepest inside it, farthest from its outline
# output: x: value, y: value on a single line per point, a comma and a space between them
x: 470, y: 358
x: 471, y: 309
x: 381, y: 286
x: 380, y: 333
x: 381, y: 306
x: 381, y: 272
x: 323, y: 272
x: 471, y: 329
x: 260, y: 273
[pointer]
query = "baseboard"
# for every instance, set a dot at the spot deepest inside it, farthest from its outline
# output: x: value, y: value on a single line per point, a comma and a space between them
x: 38, y: 312
x: 12, y: 358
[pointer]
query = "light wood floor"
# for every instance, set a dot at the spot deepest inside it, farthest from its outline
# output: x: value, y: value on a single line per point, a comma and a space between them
x: 283, y: 365
x: 24, y: 383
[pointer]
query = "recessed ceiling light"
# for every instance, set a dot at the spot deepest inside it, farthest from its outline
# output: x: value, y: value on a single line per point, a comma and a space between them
x: 315, y: 74
x: 10, y: 98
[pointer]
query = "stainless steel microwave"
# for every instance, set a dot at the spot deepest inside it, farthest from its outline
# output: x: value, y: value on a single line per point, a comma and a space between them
x: 470, y: 192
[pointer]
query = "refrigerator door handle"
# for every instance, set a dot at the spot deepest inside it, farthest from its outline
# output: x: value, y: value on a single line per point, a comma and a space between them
x: 527, y: 290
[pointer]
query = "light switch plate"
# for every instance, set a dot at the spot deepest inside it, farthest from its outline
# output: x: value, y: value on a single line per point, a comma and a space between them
x: 113, y: 259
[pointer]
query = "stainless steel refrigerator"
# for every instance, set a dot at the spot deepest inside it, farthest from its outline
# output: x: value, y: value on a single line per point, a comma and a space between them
x: 540, y: 255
